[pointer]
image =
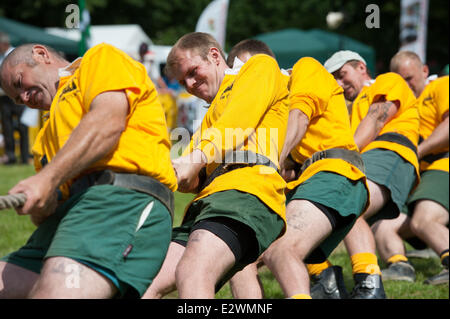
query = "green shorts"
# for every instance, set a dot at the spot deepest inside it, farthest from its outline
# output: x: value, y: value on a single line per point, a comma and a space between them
x: 239, y: 206
x: 434, y: 186
x: 105, y: 228
x: 341, y: 199
x: 387, y: 168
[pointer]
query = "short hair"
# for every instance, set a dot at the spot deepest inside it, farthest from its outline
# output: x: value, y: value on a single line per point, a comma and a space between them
x: 199, y: 42
x: 252, y: 46
x: 24, y: 54
x: 401, y: 56
x: 355, y: 63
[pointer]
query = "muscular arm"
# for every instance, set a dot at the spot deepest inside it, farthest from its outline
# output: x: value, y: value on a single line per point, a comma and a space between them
x: 437, y: 140
x: 296, y: 129
x: 378, y: 115
x: 95, y: 136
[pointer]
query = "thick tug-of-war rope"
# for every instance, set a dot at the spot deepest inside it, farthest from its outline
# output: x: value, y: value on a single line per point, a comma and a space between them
x: 12, y: 201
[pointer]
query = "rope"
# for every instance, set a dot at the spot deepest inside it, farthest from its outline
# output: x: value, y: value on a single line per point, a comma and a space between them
x: 12, y: 201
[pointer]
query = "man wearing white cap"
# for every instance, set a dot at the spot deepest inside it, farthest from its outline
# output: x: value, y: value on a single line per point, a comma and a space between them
x: 385, y: 123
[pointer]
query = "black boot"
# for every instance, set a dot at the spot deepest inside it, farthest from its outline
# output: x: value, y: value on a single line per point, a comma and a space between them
x: 368, y: 287
x: 329, y: 284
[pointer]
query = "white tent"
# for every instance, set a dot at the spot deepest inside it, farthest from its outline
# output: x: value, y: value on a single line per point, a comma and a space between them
x: 126, y: 37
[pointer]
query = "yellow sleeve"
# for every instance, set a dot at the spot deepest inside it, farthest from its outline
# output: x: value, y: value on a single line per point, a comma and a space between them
x: 254, y: 91
x: 105, y: 68
x: 311, y: 87
x: 441, y: 96
x: 392, y: 87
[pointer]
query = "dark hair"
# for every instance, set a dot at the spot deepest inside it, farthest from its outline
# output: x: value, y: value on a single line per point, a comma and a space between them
x: 251, y: 46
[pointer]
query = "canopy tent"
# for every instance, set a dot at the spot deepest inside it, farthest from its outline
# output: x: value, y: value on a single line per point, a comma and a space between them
x: 126, y: 37
x: 341, y: 42
x: 289, y: 45
x: 20, y: 33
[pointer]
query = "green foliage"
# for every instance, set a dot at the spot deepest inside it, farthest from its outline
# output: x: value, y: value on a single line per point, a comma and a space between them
x: 165, y: 21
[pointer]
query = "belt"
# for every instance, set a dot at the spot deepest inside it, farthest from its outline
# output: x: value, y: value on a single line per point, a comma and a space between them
x: 349, y: 156
x: 234, y: 160
x: 397, y: 138
x: 430, y: 158
x: 140, y: 183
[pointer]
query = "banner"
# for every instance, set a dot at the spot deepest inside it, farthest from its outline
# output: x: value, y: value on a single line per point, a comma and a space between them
x: 413, y: 27
x: 213, y: 20
x: 85, y: 24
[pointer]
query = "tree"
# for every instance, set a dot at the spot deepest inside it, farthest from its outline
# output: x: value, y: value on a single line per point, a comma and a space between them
x: 166, y: 20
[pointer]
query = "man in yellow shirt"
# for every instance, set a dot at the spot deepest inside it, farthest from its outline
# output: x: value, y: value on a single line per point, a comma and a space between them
x: 104, y: 185
x: 328, y: 192
x: 328, y: 115
x: 426, y: 215
x: 385, y: 122
x: 239, y: 209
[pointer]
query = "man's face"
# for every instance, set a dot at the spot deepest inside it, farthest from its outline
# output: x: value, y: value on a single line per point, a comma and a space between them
x: 414, y: 74
x: 351, y: 79
x: 29, y: 85
x: 200, y: 77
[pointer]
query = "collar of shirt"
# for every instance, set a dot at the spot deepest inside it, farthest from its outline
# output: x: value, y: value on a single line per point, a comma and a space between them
x: 69, y: 69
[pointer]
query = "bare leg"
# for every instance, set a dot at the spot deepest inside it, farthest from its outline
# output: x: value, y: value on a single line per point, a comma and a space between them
x: 246, y: 284
x: 206, y: 259
x: 429, y: 224
x: 307, y: 228
x: 15, y: 282
x: 389, y: 235
x: 360, y: 239
x: 65, y: 278
x: 164, y: 282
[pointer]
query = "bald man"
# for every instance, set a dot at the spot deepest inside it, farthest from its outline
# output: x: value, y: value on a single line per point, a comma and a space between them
x: 426, y: 215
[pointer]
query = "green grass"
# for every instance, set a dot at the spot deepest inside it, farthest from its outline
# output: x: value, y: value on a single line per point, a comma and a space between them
x: 15, y: 230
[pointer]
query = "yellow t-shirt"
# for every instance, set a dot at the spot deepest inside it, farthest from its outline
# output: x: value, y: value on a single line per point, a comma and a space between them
x: 249, y: 112
x: 433, y: 104
x: 169, y: 105
x: 315, y: 92
x: 405, y: 122
x: 144, y: 146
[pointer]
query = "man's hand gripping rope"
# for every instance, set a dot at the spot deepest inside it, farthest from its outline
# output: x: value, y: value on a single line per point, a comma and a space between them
x: 12, y: 201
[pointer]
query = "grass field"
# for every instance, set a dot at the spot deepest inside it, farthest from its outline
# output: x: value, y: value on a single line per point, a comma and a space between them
x: 14, y: 231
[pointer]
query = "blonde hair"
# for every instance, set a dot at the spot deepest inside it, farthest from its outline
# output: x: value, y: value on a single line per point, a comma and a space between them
x: 197, y: 42
x: 400, y: 56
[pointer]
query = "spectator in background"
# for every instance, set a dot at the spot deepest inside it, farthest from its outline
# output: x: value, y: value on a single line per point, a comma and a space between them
x: 10, y: 115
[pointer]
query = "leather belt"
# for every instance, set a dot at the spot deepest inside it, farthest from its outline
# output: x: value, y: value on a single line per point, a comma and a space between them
x: 397, y: 138
x: 235, y: 160
x: 349, y: 156
x: 430, y: 158
x: 140, y: 183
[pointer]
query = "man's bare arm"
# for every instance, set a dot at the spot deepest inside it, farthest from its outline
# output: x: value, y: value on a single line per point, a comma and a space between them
x: 95, y: 136
x: 378, y: 115
x: 296, y: 128
x: 437, y: 140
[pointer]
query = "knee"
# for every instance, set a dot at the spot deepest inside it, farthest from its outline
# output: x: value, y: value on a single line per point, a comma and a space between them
x: 420, y: 220
x: 280, y: 251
